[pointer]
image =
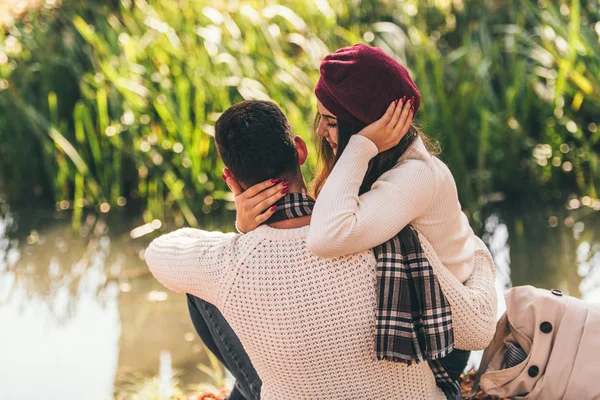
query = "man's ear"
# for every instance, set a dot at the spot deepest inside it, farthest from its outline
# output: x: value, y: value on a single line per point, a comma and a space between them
x: 302, y: 150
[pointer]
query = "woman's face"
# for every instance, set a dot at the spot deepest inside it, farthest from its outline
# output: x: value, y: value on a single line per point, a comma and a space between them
x: 328, y: 128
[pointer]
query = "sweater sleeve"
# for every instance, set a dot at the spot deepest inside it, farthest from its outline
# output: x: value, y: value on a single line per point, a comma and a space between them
x: 474, y: 304
x: 344, y: 222
x: 191, y: 261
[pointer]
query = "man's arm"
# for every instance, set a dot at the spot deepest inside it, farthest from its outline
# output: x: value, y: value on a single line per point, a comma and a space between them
x: 191, y: 260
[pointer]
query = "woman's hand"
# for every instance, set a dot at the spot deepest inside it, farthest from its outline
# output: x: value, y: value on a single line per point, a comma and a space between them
x: 251, y: 204
x: 387, y: 131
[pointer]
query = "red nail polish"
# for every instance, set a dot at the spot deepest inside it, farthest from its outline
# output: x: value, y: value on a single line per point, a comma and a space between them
x: 275, y: 180
x: 224, y: 177
x: 284, y: 184
x: 284, y: 191
x: 404, y: 99
x: 273, y: 208
x: 412, y: 100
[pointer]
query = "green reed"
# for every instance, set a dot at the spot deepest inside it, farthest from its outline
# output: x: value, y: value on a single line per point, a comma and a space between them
x: 500, y: 96
x: 109, y: 106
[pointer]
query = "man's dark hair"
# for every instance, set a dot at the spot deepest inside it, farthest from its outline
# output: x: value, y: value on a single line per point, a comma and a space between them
x: 256, y: 143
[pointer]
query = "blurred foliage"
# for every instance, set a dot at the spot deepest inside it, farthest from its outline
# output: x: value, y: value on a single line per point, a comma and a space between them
x: 512, y: 90
x: 144, y: 387
x: 112, y: 104
x: 135, y: 386
x: 120, y: 105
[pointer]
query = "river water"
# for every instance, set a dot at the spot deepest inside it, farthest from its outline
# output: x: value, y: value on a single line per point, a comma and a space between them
x: 82, y: 318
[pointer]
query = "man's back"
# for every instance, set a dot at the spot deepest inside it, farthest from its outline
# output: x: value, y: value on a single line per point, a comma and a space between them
x: 306, y: 322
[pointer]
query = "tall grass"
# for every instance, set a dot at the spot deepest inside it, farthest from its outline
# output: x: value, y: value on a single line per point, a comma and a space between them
x: 102, y: 106
x: 149, y: 85
x: 501, y: 97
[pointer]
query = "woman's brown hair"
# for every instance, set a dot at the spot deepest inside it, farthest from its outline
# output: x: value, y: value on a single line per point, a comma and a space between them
x: 380, y: 164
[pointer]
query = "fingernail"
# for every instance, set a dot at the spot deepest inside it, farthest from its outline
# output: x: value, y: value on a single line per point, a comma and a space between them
x: 404, y: 99
x: 412, y: 100
x: 286, y: 183
x: 275, y: 180
x: 224, y: 177
x: 273, y: 208
x: 284, y: 191
x: 396, y: 102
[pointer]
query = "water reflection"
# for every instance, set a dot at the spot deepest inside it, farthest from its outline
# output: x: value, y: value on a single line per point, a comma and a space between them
x: 60, y: 318
x: 73, y: 359
x: 86, y: 319
x: 550, y: 245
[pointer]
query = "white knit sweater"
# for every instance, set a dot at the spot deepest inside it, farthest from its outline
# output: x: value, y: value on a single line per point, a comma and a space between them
x: 308, y: 323
x: 419, y: 190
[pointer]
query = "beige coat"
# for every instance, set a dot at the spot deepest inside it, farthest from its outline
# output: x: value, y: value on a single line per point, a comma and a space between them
x: 561, y: 336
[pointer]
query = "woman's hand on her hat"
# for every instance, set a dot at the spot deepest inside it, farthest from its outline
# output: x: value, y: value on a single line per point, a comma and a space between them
x: 387, y: 131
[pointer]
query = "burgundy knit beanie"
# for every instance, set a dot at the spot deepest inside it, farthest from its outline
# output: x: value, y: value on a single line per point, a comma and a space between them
x: 358, y: 83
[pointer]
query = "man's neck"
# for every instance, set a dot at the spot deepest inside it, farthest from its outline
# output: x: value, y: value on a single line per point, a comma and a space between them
x: 293, y: 223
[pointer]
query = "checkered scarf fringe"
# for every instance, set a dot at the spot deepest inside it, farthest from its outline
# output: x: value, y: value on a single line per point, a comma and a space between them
x: 414, y: 319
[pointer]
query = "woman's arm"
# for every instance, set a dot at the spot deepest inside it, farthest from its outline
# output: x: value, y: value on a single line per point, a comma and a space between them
x: 191, y: 260
x: 344, y: 222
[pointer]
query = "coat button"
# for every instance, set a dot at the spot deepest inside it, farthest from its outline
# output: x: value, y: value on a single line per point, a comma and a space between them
x: 546, y: 327
x: 533, y: 371
x: 556, y: 292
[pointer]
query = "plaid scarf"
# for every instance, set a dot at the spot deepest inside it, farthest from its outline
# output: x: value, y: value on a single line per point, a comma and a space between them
x: 414, y: 320
x: 293, y: 205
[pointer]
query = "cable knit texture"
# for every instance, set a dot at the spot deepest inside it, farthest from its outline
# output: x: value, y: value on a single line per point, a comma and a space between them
x: 419, y: 190
x: 308, y: 323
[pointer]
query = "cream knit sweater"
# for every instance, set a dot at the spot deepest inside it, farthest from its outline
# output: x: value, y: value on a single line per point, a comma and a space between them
x: 419, y: 190
x: 307, y: 322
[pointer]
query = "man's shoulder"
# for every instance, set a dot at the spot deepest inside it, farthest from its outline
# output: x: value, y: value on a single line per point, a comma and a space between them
x: 362, y: 256
x: 263, y: 240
